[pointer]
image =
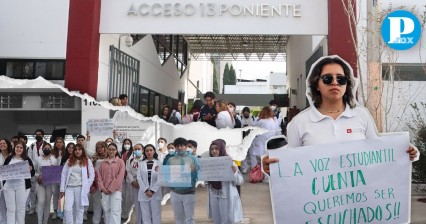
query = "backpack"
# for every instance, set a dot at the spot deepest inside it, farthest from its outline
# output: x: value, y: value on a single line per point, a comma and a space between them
x: 256, y: 174
x: 173, y: 119
x: 237, y: 122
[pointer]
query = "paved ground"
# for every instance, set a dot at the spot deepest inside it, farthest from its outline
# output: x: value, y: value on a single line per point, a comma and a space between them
x: 257, y: 207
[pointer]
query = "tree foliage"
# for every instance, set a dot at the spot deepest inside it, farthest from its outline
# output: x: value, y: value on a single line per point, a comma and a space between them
x: 232, y: 76
x: 226, y: 77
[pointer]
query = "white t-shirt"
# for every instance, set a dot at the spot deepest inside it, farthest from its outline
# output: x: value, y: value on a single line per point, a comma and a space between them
x: 40, y: 161
x: 310, y: 127
x: 75, y: 175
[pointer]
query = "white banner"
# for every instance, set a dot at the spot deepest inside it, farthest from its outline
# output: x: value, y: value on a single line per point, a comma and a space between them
x: 100, y: 127
x: 365, y: 181
x: 216, y: 169
x: 20, y: 170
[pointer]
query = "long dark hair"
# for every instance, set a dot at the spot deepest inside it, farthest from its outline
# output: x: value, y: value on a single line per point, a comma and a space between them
x: 144, y: 150
x: 348, y: 97
x: 123, y: 150
x: 9, y: 145
x: 24, y: 155
x: 168, y: 114
x: 66, y: 155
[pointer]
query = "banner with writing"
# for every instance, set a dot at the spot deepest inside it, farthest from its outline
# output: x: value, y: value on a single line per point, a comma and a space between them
x: 216, y: 169
x: 100, y: 127
x: 366, y: 181
x: 15, y: 171
x: 51, y: 174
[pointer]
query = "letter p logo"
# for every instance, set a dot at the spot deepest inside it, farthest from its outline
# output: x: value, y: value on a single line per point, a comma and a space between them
x: 401, y: 30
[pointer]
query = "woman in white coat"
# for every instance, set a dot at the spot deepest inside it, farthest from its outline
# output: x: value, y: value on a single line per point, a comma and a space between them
x: 150, y: 194
x: 44, y: 191
x: 77, y: 177
x: 133, y: 168
x: 224, y: 201
x: 266, y: 121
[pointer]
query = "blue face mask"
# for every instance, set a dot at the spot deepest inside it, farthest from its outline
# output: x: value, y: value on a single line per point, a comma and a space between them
x: 137, y: 153
x: 180, y: 153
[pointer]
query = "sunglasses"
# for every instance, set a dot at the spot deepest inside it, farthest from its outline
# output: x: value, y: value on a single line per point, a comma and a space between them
x: 328, y: 79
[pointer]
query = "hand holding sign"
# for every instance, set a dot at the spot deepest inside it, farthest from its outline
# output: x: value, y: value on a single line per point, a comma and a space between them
x: 353, y: 182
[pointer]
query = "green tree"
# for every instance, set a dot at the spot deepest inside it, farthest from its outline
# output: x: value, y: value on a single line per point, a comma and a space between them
x: 232, y: 76
x: 226, y: 78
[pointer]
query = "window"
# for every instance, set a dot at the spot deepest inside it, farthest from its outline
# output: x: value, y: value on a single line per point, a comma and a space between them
x: 172, y: 45
x: 10, y: 100
x: 57, y: 101
x: 404, y: 72
x: 148, y: 104
x: 31, y: 69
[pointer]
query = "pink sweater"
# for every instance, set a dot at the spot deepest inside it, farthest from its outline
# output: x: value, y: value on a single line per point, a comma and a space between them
x: 111, y: 174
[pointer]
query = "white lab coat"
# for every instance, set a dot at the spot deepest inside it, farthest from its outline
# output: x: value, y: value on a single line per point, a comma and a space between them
x: 144, y: 184
x: 230, y: 193
x: 86, y: 181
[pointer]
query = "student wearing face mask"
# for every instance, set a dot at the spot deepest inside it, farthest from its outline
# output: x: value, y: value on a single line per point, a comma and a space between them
x: 127, y: 202
x: 162, y: 149
x: 183, y: 198
x: 231, y: 109
x: 278, y: 116
x: 35, y: 150
x: 132, y: 168
x: 44, y: 191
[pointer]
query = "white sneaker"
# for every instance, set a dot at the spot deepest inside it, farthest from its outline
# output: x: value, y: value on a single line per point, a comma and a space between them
x: 31, y: 212
x: 165, y: 198
x: 85, y: 216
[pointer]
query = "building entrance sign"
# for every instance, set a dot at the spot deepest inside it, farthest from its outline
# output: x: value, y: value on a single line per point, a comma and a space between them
x: 291, y: 17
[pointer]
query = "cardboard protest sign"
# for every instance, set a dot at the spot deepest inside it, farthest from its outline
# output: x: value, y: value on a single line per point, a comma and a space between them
x: 215, y: 169
x: 51, y: 174
x: 15, y: 171
x: 365, y: 181
x: 100, y: 127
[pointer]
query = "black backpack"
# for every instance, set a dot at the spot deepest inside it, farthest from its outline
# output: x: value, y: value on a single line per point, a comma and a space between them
x: 237, y: 122
x: 173, y: 119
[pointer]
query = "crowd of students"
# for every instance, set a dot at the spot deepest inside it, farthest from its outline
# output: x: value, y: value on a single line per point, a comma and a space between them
x: 115, y: 179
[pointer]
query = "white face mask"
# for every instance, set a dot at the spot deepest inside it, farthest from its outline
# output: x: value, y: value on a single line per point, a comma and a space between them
x: 160, y: 145
x: 172, y: 151
x: 189, y: 150
x: 126, y: 146
x: 273, y: 107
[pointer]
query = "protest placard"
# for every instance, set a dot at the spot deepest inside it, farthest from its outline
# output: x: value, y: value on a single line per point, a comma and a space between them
x: 100, y: 127
x: 215, y: 169
x: 14, y: 171
x: 364, y: 181
x: 175, y: 176
x: 51, y: 174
